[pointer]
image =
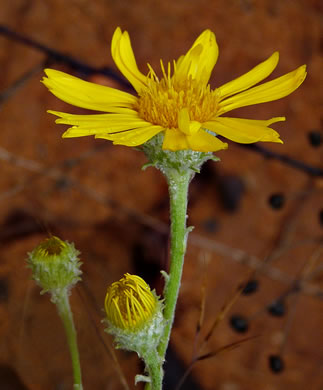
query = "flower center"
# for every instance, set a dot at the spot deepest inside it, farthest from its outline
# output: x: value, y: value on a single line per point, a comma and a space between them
x: 51, y: 247
x: 162, y: 100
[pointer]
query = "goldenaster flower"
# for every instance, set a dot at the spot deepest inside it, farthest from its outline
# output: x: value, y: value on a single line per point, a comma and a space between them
x: 181, y: 103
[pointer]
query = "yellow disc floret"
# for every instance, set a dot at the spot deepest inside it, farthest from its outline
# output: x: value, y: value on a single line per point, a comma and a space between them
x: 162, y: 100
x: 50, y: 248
x: 129, y: 303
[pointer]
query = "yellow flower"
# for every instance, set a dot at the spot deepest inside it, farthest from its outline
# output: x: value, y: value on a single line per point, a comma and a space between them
x: 129, y: 303
x: 180, y: 104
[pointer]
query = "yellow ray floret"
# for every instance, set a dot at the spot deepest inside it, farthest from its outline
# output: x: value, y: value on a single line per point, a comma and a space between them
x: 181, y: 104
x: 83, y: 94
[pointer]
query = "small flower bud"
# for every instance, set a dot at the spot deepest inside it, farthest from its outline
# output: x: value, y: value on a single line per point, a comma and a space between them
x: 134, y: 315
x: 55, y: 265
x: 129, y: 303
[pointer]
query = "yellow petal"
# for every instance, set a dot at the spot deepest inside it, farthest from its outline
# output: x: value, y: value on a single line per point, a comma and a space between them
x: 112, y: 110
x: 184, y: 120
x: 100, y: 125
x: 254, y: 76
x: 205, y: 142
x: 133, y: 137
x: 104, y: 128
x: 73, y: 132
x: 257, y: 122
x: 84, y: 94
x: 174, y: 140
x: 199, y: 61
x: 201, y: 141
x: 272, y: 90
x: 124, y: 58
x: 75, y: 119
x: 185, y: 124
x: 244, y: 131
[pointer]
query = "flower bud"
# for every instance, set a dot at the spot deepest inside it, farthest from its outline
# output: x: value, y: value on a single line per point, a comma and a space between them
x: 55, y: 265
x: 134, y: 315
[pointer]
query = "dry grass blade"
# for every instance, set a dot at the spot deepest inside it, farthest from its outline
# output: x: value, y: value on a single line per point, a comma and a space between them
x: 227, y: 347
x: 209, y: 355
x: 224, y: 310
x: 217, y: 320
x: 202, y: 306
x: 20, y: 82
x: 199, y: 324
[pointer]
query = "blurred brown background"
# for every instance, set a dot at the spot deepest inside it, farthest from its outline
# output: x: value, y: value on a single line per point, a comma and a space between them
x: 95, y: 194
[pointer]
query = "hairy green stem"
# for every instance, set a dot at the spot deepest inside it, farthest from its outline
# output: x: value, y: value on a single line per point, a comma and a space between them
x: 178, y: 182
x: 63, y: 306
x: 155, y: 371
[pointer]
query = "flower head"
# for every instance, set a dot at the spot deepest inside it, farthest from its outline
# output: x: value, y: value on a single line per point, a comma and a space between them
x: 129, y: 303
x: 181, y: 104
x: 55, y: 265
x: 134, y: 315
